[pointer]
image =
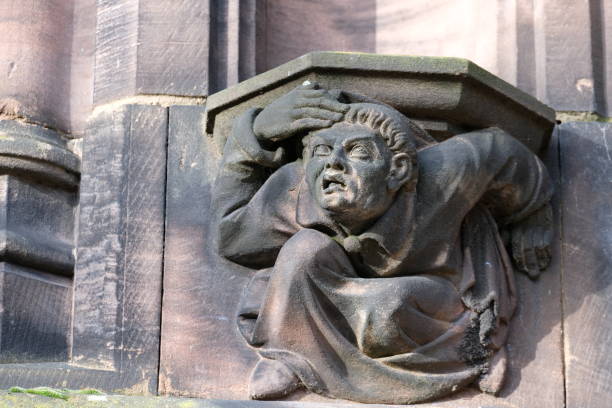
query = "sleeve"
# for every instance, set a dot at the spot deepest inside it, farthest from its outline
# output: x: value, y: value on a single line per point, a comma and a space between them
x: 491, y: 167
x: 252, y: 198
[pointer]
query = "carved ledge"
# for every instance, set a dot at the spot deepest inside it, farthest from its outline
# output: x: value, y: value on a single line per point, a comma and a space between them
x: 38, y: 153
x: 446, y: 96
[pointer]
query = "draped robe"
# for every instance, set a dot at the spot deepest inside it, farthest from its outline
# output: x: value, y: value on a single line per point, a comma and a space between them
x: 413, y: 308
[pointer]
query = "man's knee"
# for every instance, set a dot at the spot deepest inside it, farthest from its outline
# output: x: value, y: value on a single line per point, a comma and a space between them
x: 436, y: 297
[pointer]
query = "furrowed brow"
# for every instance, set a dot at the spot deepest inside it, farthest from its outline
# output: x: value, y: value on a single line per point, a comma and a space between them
x: 354, y: 139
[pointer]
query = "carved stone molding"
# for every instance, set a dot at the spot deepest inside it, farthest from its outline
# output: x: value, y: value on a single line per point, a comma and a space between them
x: 39, y: 179
x: 444, y: 95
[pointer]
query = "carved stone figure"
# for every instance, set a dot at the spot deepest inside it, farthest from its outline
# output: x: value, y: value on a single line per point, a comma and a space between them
x: 382, y: 275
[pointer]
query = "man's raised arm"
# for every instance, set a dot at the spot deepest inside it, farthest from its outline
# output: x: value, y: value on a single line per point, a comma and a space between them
x: 247, y: 211
x: 256, y: 211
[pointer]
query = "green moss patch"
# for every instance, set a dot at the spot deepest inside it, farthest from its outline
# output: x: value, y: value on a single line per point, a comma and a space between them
x: 54, y: 392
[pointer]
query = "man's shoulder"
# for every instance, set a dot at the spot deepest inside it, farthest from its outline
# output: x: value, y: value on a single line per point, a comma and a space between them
x: 467, y: 149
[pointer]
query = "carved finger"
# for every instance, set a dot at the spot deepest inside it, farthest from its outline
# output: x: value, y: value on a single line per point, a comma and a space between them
x: 311, y: 123
x: 323, y: 103
x: 543, y: 248
x: 316, y: 113
x: 531, y: 259
x: 543, y: 255
x: 531, y: 263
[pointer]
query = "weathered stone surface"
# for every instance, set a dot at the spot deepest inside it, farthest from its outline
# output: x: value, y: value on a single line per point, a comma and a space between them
x: 34, y: 315
x: 568, y: 71
x: 44, y: 241
x: 151, y: 48
x: 479, y: 31
x: 602, y: 61
x: 116, y: 50
x: 173, y: 47
x: 82, y: 61
x: 121, y: 226
x: 553, y: 50
x: 233, y: 41
x: 586, y: 193
x: 199, y: 305
x: 35, y: 52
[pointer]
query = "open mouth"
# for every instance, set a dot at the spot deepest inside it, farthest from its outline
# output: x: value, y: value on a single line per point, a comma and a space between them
x: 332, y: 183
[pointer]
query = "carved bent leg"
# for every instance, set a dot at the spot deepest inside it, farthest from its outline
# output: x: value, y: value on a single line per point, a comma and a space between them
x: 285, y: 287
x: 319, y: 321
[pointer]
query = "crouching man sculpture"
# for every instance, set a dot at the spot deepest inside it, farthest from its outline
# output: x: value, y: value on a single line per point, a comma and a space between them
x: 382, y: 277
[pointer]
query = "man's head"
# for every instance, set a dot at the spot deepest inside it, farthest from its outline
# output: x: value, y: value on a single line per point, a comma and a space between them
x: 355, y: 167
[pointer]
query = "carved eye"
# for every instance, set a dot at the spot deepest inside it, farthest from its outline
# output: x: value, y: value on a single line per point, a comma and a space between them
x: 321, y: 150
x: 360, y: 152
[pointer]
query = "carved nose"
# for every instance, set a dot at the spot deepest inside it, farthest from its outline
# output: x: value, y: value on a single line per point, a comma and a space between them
x: 335, y: 162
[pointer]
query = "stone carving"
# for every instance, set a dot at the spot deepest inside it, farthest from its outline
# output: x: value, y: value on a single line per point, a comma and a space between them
x: 382, y: 275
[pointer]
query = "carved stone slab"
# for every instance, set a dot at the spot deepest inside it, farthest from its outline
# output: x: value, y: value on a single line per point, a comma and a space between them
x: 202, y: 353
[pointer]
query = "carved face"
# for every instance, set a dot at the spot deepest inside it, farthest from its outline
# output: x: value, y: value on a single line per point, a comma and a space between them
x: 348, y: 169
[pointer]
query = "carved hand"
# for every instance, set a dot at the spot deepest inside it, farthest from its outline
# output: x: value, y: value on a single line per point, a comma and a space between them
x: 303, y: 109
x: 531, y: 240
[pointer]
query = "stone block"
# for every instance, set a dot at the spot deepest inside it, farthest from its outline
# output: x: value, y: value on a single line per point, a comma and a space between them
x: 173, y: 47
x: 44, y: 241
x: 82, y: 64
x: 473, y: 29
x: 121, y: 230
x: 566, y: 76
x: 586, y: 192
x: 151, y: 48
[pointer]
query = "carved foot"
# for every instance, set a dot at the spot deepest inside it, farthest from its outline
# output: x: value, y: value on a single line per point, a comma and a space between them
x: 493, y: 381
x: 272, y: 379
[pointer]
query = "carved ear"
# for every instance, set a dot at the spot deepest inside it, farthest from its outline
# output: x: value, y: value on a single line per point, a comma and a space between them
x: 400, y: 172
